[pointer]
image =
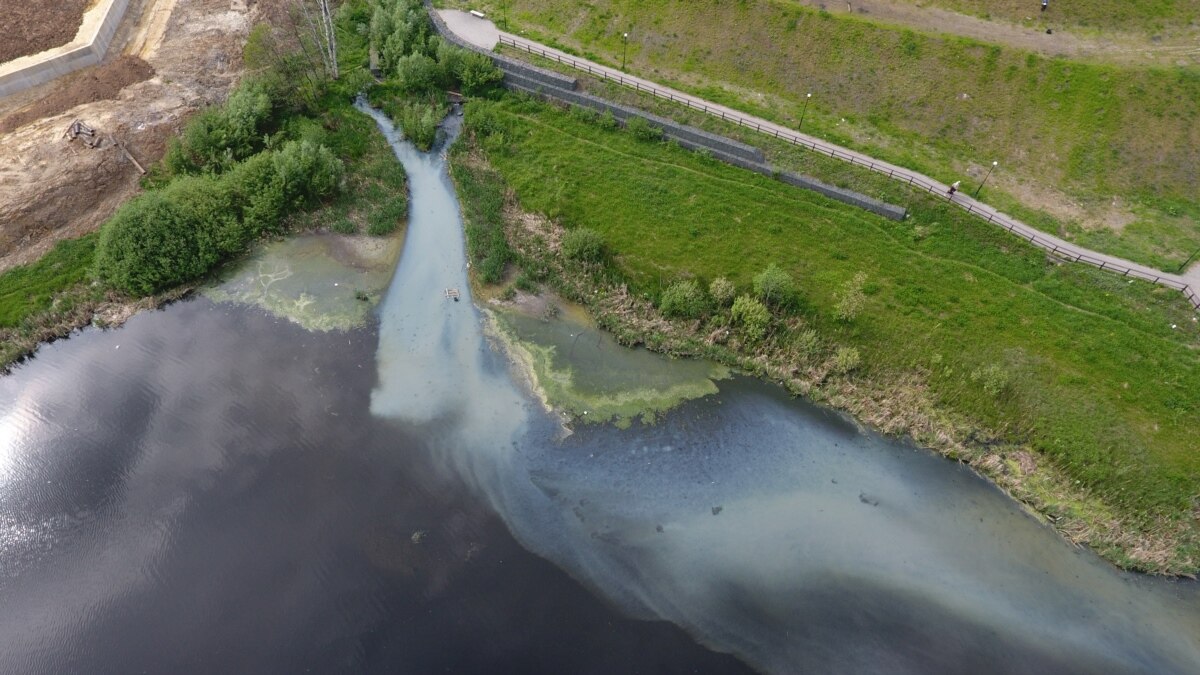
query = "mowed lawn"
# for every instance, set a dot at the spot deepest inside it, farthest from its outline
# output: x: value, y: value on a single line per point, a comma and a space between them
x: 1100, y: 380
x: 1108, y: 156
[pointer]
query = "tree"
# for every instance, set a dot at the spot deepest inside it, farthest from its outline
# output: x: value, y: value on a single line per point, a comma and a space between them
x: 319, y: 19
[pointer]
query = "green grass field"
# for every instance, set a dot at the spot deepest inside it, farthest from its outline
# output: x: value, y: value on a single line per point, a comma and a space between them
x: 30, y: 289
x: 1100, y: 381
x: 1106, y: 156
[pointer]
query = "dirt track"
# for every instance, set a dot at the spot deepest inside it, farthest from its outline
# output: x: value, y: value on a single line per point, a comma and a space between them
x: 185, y: 55
x: 30, y: 27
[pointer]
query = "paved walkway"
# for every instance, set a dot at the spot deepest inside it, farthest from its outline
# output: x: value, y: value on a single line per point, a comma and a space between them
x: 484, y: 34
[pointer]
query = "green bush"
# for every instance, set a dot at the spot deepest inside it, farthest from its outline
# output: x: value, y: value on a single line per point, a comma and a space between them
x: 643, y: 130
x: 256, y: 190
x: 846, y: 359
x: 752, y: 316
x: 221, y: 136
x: 419, y: 121
x: 807, y: 344
x: 178, y: 233
x: 774, y: 286
x: 477, y: 74
x: 684, y: 300
x: 418, y: 74
x: 722, y: 291
x: 583, y: 245
x: 309, y: 173
x: 149, y: 245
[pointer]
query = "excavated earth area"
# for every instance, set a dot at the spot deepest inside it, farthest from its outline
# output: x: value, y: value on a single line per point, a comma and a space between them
x: 168, y: 59
x: 32, y: 26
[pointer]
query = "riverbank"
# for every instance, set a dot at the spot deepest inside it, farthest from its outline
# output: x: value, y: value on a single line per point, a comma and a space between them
x: 987, y: 391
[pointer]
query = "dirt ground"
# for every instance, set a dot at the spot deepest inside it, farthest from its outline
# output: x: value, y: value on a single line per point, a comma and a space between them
x: 31, y: 27
x: 1180, y: 48
x: 169, y: 59
x: 101, y: 83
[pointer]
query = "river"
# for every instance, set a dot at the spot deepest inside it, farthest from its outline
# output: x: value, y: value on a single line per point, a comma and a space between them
x: 214, y: 487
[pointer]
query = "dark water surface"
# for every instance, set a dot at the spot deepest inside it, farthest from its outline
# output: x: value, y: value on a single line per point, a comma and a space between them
x: 205, y: 490
x: 212, y: 489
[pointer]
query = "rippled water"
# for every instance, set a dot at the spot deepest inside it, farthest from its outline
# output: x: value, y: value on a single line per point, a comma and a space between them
x: 213, y: 489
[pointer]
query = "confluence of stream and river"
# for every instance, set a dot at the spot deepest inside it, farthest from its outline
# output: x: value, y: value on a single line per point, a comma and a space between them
x: 246, y: 484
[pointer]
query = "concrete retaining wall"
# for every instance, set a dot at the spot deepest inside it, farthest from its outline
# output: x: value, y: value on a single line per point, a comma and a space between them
x: 89, y: 48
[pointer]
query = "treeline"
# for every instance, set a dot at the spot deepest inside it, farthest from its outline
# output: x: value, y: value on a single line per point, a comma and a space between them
x: 420, y: 67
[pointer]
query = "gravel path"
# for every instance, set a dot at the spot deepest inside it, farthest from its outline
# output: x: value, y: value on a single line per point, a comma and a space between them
x: 484, y: 34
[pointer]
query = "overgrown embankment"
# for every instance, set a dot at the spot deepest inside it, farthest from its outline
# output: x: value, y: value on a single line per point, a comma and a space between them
x: 1106, y: 156
x: 1081, y: 404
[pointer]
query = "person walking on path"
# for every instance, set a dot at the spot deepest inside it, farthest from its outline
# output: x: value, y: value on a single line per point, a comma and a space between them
x: 953, y: 188
x: 1045, y: 4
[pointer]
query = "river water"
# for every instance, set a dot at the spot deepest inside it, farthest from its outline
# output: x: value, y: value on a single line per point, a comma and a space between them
x: 214, y: 487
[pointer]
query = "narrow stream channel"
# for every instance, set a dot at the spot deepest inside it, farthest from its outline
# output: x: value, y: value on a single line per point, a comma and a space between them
x: 214, y: 488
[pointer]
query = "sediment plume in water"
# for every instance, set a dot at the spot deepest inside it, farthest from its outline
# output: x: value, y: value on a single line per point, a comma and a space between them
x: 766, y: 527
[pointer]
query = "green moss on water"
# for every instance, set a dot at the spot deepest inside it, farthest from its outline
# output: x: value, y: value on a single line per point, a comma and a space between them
x: 583, y: 372
x: 321, y: 282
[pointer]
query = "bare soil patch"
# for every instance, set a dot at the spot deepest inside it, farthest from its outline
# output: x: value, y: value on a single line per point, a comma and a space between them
x: 32, y: 27
x: 101, y: 83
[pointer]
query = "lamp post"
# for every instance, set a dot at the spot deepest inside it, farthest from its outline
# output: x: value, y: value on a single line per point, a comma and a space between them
x: 624, y: 49
x: 1185, y: 262
x: 984, y: 181
x: 805, y: 111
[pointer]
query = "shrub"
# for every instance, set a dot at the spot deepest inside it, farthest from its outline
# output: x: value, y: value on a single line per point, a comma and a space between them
x: 607, y: 121
x: 419, y: 121
x: 257, y: 190
x: 308, y: 172
x: 583, y: 245
x: 851, y: 299
x: 808, y: 344
x: 477, y: 74
x: 846, y: 359
x: 722, y: 291
x: 684, y: 300
x: 774, y: 286
x: 148, y: 246
x: 993, y: 378
x: 418, y: 73
x: 643, y: 130
x: 220, y: 136
x: 752, y: 316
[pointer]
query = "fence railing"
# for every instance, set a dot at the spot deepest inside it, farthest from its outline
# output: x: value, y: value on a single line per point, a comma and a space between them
x: 990, y: 215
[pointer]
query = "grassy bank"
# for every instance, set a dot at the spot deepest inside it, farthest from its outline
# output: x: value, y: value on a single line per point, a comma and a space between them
x: 1105, y: 156
x: 956, y: 320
